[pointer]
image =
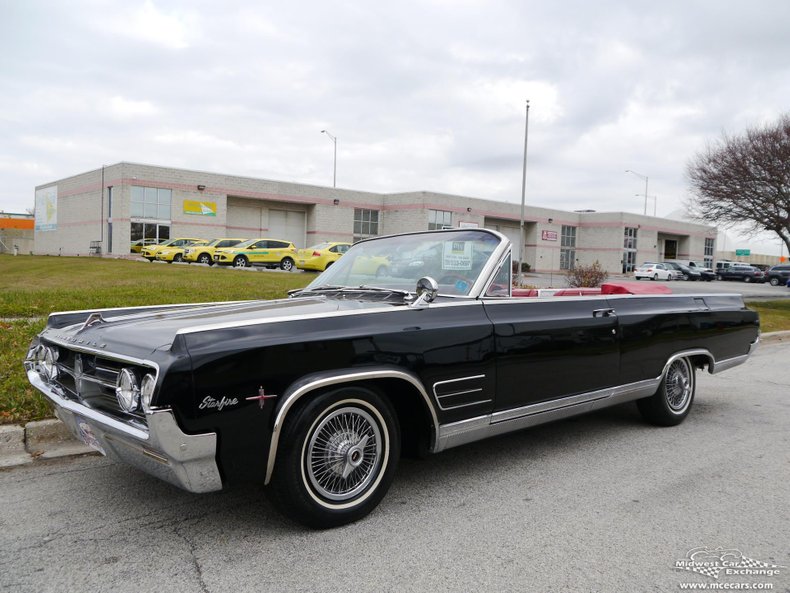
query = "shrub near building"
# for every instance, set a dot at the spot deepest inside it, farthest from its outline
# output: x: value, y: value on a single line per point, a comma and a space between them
x: 591, y: 276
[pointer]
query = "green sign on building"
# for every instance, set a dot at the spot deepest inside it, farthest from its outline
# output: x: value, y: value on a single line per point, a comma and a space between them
x: 743, y: 252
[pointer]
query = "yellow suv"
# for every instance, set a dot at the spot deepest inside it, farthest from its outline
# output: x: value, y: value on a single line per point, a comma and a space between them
x: 320, y: 257
x: 204, y: 254
x: 265, y: 252
x: 171, y: 254
x: 137, y: 246
x: 150, y: 252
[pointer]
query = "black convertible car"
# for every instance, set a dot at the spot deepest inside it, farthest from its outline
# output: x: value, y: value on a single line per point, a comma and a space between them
x: 319, y: 394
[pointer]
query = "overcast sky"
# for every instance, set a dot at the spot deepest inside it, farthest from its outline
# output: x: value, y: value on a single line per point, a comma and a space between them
x: 423, y: 95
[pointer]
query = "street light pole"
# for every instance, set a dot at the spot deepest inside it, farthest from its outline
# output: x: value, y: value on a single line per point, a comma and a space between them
x: 655, y: 202
x: 334, y: 167
x: 642, y: 177
x: 523, y: 196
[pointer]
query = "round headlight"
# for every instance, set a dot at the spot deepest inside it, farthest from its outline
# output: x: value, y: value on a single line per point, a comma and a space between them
x: 127, y: 390
x: 147, y: 391
x: 38, y: 357
x: 48, y: 366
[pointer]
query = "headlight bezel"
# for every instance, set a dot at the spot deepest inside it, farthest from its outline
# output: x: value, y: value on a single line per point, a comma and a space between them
x: 147, y: 388
x: 127, y: 390
x: 47, y: 362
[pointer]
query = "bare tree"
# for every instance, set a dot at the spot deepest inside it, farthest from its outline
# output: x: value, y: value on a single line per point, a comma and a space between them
x: 745, y: 180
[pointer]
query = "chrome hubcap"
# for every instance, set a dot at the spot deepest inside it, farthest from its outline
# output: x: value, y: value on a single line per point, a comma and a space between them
x: 678, y: 385
x: 344, y: 454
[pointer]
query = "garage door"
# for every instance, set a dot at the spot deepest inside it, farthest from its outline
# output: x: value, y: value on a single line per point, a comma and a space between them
x: 511, y: 232
x: 288, y: 225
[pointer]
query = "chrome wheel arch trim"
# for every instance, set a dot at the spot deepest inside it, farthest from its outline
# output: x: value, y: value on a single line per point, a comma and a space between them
x: 312, y: 382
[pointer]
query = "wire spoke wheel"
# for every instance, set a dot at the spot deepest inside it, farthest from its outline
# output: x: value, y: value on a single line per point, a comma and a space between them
x: 344, y: 454
x: 671, y: 402
x: 678, y: 385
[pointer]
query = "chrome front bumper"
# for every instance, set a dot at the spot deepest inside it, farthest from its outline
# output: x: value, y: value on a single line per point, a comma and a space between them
x: 163, y: 450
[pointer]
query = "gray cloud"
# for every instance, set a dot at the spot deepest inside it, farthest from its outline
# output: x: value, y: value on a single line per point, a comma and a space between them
x: 422, y: 95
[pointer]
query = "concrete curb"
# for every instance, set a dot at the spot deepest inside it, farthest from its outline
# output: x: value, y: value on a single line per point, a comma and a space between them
x: 12, y: 446
x: 43, y: 439
x: 774, y: 337
x: 49, y: 439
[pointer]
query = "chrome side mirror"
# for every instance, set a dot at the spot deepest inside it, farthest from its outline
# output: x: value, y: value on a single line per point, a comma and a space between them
x: 426, y: 291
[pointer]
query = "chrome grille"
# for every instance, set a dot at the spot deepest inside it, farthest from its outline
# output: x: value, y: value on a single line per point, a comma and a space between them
x: 90, y: 379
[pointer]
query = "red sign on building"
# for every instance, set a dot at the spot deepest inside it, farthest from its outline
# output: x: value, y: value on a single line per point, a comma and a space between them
x: 548, y: 235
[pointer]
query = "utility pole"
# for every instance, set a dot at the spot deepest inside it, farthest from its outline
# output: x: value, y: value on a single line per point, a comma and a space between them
x: 523, y: 197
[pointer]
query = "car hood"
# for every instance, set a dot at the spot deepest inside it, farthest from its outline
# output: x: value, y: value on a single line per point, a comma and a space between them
x: 138, y: 332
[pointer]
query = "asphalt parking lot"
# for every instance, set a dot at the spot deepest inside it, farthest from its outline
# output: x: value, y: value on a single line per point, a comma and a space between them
x: 597, y: 503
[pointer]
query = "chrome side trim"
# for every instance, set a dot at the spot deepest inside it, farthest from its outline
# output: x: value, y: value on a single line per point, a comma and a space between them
x: 439, y: 397
x: 318, y: 381
x: 727, y: 363
x: 389, y: 308
x: 481, y: 427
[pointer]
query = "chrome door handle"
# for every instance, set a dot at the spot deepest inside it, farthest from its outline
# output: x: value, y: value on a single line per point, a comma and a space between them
x: 604, y: 313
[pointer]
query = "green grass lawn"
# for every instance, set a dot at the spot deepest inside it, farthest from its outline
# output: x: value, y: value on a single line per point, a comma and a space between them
x: 34, y: 286
x: 31, y: 287
x: 774, y: 315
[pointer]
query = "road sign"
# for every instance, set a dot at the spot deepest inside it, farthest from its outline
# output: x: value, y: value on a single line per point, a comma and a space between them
x: 743, y: 252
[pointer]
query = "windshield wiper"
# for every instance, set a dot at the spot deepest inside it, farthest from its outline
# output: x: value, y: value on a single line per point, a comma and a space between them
x: 326, y: 288
x: 384, y: 289
x: 337, y: 289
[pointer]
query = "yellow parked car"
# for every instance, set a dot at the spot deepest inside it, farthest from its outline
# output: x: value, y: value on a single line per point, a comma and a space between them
x: 150, y: 252
x: 320, y: 257
x: 204, y: 254
x: 137, y: 246
x: 265, y: 252
x: 171, y: 254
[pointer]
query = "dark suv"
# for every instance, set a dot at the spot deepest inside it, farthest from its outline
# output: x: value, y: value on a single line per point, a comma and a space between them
x: 743, y: 272
x: 779, y: 274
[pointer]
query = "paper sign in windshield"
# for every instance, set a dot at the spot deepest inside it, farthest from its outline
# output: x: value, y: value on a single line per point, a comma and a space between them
x: 457, y: 255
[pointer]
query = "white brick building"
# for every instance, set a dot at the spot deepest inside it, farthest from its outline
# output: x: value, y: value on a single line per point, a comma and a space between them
x: 74, y: 216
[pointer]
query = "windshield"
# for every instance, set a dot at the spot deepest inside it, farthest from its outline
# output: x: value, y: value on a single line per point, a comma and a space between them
x: 454, y: 259
x: 246, y: 243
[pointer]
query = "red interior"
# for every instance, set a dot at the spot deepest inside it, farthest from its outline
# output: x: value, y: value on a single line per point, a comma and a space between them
x: 623, y: 287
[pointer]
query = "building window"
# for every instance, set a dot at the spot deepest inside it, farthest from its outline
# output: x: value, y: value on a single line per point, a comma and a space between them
x: 150, y: 231
x: 366, y: 223
x: 151, y: 202
x: 629, y: 250
x: 439, y: 219
x: 568, y: 248
x: 709, y: 246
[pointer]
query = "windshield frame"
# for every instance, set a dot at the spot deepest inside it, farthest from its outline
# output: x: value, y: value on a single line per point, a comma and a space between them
x: 477, y: 290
